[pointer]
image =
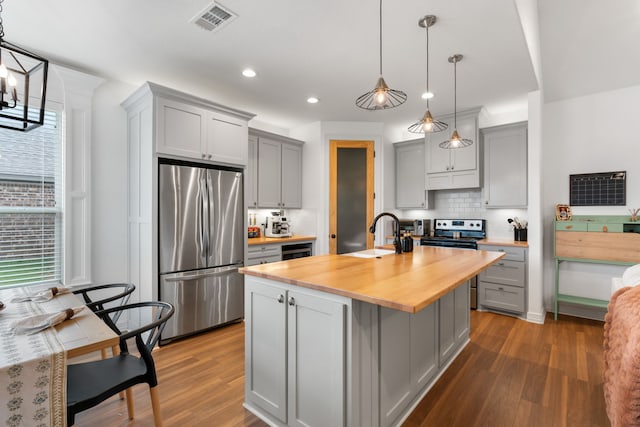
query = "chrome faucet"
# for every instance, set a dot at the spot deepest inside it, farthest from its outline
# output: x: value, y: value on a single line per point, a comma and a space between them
x: 396, y: 234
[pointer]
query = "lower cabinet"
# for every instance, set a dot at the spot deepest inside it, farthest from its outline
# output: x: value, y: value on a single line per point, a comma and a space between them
x: 453, y: 322
x: 404, y: 373
x: 295, y: 355
x: 503, y: 286
x: 263, y: 254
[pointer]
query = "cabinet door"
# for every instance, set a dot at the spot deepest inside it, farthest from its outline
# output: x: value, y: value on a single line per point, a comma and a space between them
x: 317, y: 357
x: 438, y: 159
x: 462, y: 310
x: 291, y: 184
x: 410, y: 175
x: 395, y: 364
x: 466, y: 158
x: 505, y: 166
x: 265, y: 344
x: 447, y: 336
x: 226, y: 140
x: 269, y: 173
x: 179, y: 128
x: 251, y: 174
x: 424, y: 346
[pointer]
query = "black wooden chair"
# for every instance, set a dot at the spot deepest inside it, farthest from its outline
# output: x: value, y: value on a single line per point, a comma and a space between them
x: 96, y: 296
x: 90, y: 383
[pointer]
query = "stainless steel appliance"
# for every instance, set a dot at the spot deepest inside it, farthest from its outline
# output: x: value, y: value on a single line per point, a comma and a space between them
x: 458, y: 233
x: 201, y: 246
x: 421, y: 227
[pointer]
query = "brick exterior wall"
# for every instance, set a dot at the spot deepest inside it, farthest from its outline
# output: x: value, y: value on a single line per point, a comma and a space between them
x: 21, y: 232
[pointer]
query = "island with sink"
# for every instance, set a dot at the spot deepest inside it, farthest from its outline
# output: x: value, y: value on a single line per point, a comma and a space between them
x: 355, y: 339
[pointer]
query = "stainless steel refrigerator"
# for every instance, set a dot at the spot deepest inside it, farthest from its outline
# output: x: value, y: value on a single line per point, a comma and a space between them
x: 201, y: 246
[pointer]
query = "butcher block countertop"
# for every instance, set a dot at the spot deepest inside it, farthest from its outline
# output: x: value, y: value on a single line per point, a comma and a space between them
x: 267, y: 240
x: 408, y: 282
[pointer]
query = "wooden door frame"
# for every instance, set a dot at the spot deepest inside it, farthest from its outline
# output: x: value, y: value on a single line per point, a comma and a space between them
x: 333, y: 186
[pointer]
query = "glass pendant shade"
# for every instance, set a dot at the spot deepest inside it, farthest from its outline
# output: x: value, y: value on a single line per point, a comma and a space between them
x: 427, y: 124
x: 23, y: 86
x: 455, y: 141
x: 381, y: 97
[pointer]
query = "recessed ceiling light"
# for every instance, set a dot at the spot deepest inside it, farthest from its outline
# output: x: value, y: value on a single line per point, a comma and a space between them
x: 248, y: 72
x: 427, y: 95
x: 313, y: 100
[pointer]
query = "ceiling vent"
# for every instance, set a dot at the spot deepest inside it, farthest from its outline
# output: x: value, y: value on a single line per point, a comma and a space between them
x: 214, y: 17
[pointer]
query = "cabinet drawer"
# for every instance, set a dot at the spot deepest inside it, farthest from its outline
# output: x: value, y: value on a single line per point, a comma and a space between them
x: 264, y: 251
x: 505, y: 272
x: 502, y: 297
x: 571, y: 225
x: 605, y: 227
x: 512, y: 253
x: 263, y: 260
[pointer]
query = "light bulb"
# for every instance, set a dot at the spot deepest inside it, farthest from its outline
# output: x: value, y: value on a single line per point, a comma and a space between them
x: 3, y: 71
x: 455, y: 142
x: 11, y: 80
x: 380, y: 97
x: 427, y: 126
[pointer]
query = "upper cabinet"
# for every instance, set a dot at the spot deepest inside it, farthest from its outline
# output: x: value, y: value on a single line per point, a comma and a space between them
x: 455, y: 167
x: 411, y: 191
x: 196, y: 129
x: 251, y: 173
x: 279, y: 171
x: 505, y: 166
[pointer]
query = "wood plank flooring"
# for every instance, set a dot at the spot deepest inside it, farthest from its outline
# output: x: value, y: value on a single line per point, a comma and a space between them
x: 513, y: 373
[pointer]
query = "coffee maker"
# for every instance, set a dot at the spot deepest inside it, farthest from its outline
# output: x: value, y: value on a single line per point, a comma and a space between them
x: 277, y: 226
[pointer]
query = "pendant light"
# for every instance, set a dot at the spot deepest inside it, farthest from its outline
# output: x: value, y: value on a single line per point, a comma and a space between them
x: 23, y: 80
x: 427, y: 124
x: 455, y: 141
x: 381, y: 97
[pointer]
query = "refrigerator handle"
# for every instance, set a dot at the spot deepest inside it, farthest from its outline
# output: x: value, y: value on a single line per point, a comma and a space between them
x: 206, y: 229
x: 202, y: 227
x: 196, y: 276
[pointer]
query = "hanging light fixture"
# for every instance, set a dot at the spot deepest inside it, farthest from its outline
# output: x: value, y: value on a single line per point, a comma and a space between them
x: 427, y: 124
x: 23, y: 86
x: 455, y: 141
x: 381, y: 97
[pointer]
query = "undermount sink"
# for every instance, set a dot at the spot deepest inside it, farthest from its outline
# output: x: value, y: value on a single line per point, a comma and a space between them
x: 370, y: 253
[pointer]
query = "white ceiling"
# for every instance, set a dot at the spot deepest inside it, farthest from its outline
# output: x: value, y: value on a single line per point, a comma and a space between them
x: 329, y: 49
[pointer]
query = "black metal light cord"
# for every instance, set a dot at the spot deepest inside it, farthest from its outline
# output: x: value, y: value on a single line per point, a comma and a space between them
x: 380, y: 37
x: 428, y: 93
x: 455, y: 93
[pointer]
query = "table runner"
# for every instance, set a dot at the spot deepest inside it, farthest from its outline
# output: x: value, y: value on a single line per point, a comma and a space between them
x: 33, y: 369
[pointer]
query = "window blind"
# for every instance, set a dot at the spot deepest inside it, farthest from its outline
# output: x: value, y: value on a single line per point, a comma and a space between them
x: 31, y: 204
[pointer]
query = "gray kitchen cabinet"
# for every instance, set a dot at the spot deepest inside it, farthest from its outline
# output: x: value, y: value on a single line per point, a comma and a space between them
x: 163, y: 122
x: 251, y: 173
x: 408, y: 358
x: 263, y: 254
x: 296, y: 352
x: 193, y: 128
x: 505, y: 166
x: 503, y: 286
x: 456, y: 167
x: 411, y: 190
x: 454, y: 322
x: 279, y: 171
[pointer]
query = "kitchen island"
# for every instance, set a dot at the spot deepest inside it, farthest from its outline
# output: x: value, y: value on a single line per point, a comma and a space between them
x: 337, y: 340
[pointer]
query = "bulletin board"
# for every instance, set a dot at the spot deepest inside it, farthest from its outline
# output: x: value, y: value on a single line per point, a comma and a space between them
x: 598, y: 189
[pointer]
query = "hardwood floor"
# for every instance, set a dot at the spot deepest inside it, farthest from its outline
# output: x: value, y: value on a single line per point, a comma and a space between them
x: 513, y: 373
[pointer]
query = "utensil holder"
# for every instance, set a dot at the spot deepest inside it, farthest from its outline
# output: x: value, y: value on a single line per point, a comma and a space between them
x: 520, y: 234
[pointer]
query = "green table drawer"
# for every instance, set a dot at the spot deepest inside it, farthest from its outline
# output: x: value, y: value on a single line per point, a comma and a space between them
x: 572, y: 226
x: 605, y: 227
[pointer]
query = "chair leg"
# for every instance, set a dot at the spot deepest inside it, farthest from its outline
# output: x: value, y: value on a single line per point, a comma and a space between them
x: 130, y: 409
x: 155, y: 404
x: 115, y: 350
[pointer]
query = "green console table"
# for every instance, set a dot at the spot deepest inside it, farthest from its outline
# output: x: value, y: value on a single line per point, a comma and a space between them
x: 605, y: 239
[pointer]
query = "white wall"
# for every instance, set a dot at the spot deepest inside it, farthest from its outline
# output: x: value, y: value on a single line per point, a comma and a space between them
x: 595, y: 133
x: 109, y: 183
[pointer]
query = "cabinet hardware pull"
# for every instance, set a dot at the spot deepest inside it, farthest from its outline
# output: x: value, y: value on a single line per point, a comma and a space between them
x: 292, y: 301
x: 204, y: 155
x: 280, y: 298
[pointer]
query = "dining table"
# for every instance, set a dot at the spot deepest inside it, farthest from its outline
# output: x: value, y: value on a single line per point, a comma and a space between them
x: 33, y: 366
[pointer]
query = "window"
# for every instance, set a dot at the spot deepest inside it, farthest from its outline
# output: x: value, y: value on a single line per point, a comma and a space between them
x: 31, y: 204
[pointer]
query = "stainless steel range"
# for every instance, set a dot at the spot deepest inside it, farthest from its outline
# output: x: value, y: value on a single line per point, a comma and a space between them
x: 458, y: 233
